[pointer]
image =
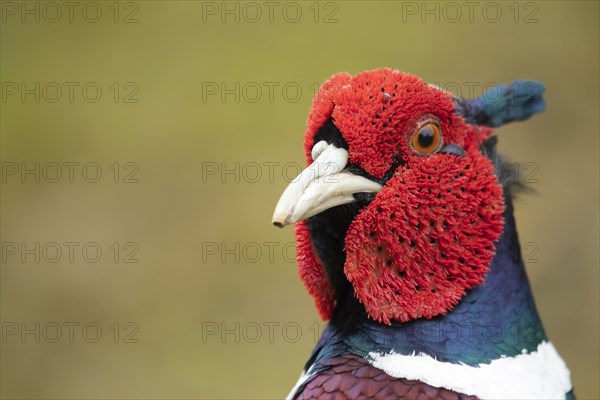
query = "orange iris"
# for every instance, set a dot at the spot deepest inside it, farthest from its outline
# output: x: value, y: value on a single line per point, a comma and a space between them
x: 427, y: 139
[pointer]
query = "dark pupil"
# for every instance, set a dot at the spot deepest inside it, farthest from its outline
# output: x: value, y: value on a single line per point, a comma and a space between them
x: 426, y: 137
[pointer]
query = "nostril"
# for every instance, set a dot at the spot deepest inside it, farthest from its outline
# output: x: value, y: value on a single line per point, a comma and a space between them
x: 277, y: 224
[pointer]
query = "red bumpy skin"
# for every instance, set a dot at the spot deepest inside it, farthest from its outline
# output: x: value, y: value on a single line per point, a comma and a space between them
x: 429, y: 235
x: 426, y: 238
x: 312, y: 272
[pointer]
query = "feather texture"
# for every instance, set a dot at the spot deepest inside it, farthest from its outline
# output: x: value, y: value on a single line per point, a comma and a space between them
x: 502, y: 104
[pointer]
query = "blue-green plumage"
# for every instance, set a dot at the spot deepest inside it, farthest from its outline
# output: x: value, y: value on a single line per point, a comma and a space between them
x: 504, y: 103
x: 497, y: 318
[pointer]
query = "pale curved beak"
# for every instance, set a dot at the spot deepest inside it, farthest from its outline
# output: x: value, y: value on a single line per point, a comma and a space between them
x: 322, y: 185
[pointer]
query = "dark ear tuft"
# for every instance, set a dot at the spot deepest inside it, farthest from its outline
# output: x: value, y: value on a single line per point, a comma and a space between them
x: 507, y: 173
x: 502, y: 104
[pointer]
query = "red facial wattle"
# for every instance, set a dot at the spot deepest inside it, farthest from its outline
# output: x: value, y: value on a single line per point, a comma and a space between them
x: 426, y: 238
x: 375, y: 109
x: 312, y: 272
x: 428, y: 235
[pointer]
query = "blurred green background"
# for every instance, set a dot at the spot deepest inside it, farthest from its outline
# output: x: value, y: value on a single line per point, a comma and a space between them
x: 214, y: 305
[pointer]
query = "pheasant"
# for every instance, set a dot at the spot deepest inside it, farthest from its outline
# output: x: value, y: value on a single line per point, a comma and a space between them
x: 406, y: 241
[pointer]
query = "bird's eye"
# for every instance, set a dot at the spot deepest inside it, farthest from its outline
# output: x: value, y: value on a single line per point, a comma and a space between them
x: 427, y: 139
